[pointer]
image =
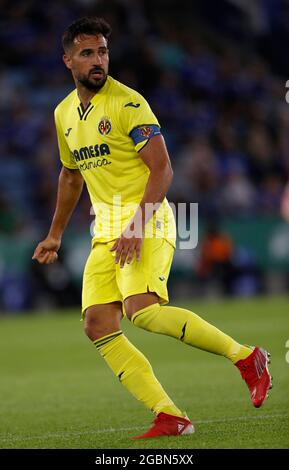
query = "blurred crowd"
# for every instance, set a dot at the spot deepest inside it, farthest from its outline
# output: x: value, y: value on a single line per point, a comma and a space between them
x: 214, y: 73
x: 218, y: 92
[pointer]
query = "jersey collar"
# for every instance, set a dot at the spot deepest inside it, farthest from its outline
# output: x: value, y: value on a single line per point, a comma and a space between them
x: 83, y: 113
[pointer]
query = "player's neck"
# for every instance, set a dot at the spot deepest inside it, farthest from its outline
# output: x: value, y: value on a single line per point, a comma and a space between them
x: 84, y: 96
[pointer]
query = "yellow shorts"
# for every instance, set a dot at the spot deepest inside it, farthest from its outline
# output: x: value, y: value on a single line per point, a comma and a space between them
x: 105, y: 282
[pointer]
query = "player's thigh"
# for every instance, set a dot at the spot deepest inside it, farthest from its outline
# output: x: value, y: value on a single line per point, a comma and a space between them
x: 99, y: 278
x: 149, y: 275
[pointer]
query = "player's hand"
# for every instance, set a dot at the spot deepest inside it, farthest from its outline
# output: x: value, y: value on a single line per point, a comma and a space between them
x: 126, y: 246
x: 46, y: 251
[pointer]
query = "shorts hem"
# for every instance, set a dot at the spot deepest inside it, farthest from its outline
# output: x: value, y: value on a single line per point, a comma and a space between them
x: 163, y: 300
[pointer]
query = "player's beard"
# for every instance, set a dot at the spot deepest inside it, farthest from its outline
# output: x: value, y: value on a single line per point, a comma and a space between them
x: 93, y: 83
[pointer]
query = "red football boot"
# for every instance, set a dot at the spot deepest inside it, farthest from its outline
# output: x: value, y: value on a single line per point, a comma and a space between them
x: 168, y: 425
x: 254, y: 370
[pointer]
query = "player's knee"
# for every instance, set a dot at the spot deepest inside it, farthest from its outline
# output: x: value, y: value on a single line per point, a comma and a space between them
x: 98, y: 326
x: 93, y: 327
x: 92, y: 331
x: 131, y: 310
x: 96, y: 331
x: 138, y: 302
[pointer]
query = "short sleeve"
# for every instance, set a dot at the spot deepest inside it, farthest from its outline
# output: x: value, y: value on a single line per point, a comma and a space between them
x: 66, y: 157
x: 136, y: 113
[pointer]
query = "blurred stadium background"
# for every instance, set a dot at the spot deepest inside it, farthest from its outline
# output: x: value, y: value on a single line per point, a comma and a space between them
x: 215, y: 75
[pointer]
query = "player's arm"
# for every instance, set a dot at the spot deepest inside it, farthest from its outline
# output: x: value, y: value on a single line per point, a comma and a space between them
x: 70, y: 184
x: 154, y: 154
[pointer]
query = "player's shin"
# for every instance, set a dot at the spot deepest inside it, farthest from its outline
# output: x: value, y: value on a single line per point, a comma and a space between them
x: 189, y: 328
x: 135, y: 373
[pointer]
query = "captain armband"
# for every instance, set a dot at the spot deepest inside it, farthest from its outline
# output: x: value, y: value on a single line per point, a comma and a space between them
x: 142, y: 134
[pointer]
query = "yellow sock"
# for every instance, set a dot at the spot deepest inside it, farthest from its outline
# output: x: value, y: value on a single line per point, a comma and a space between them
x: 188, y: 327
x: 135, y: 373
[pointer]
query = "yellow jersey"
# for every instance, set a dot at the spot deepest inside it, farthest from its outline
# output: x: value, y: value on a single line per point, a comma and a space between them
x: 98, y: 142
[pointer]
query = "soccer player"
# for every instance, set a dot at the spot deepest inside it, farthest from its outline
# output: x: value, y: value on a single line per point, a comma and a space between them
x: 109, y: 138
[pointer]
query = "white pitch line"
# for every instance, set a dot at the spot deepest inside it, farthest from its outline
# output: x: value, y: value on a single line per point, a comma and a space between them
x: 67, y: 435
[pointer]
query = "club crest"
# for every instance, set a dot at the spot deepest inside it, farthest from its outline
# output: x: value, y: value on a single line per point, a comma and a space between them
x: 146, y: 131
x: 104, y: 126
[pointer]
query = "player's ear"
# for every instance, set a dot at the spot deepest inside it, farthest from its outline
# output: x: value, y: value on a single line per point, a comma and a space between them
x: 67, y: 60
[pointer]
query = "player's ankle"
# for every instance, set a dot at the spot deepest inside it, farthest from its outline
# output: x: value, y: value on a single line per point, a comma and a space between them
x: 242, y: 353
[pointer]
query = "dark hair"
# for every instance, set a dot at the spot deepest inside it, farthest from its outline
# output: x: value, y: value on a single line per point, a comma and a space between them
x: 91, y: 25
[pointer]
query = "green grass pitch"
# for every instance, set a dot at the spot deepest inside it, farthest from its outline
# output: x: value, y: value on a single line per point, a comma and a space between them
x: 57, y: 392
